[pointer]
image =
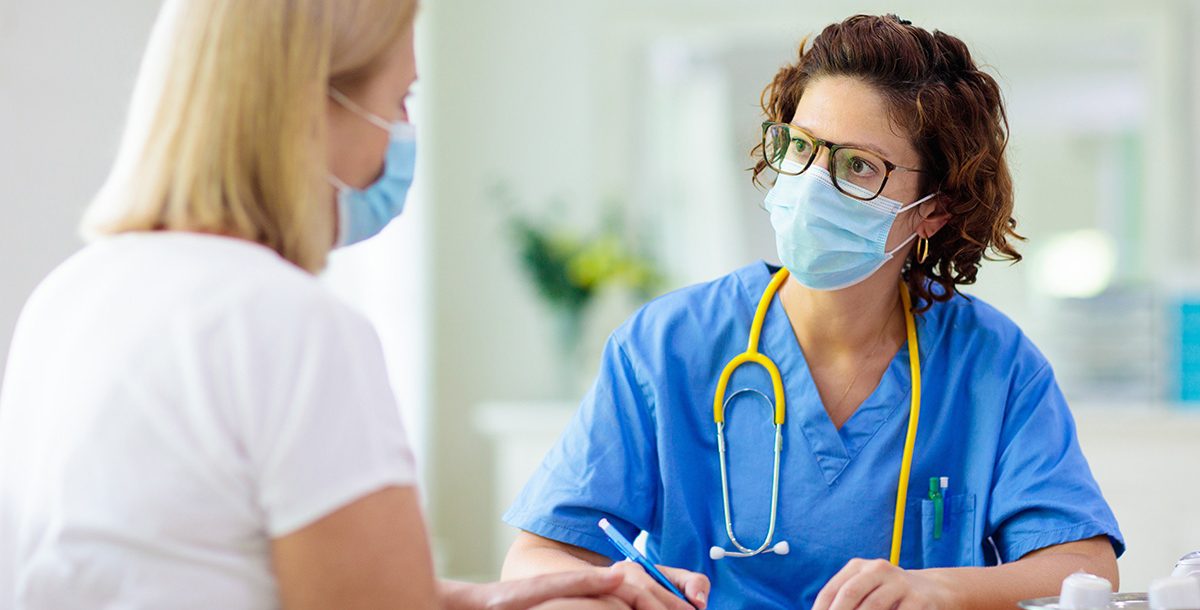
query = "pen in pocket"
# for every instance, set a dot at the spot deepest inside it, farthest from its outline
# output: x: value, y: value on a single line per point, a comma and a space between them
x: 937, y: 493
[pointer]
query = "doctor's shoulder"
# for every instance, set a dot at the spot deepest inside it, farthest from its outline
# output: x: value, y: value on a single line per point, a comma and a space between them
x: 686, y: 317
x: 969, y: 328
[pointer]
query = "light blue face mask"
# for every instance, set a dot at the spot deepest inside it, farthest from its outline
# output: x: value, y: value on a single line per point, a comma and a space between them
x: 363, y: 213
x: 827, y: 239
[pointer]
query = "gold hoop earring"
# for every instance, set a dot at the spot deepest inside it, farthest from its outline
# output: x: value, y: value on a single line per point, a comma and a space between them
x: 922, y: 250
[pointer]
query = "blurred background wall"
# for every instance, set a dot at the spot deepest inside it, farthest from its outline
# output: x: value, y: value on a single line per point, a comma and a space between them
x: 568, y: 110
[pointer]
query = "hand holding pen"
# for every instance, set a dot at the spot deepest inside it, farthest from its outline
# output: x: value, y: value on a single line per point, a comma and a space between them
x: 667, y: 586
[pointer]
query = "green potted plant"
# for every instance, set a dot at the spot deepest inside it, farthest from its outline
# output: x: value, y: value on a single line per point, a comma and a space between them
x: 569, y: 268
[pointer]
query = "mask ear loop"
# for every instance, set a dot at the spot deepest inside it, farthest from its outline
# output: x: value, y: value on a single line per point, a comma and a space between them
x: 910, y: 206
x: 353, y: 106
x: 893, y: 251
x: 917, y: 202
x: 338, y: 183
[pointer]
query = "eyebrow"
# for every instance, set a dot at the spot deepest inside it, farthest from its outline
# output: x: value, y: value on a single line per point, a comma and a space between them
x: 874, y: 149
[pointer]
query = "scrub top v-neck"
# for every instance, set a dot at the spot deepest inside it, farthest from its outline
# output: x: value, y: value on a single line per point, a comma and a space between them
x: 642, y: 451
x: 831, y: 447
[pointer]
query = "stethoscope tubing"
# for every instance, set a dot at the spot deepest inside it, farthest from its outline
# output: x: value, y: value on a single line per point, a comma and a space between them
x: 753, y: 356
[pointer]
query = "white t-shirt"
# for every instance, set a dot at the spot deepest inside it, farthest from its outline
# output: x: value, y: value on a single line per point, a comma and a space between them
x: 172, y: 402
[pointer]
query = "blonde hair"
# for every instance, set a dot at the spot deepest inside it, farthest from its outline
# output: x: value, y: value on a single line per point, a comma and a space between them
x: 226, y: 130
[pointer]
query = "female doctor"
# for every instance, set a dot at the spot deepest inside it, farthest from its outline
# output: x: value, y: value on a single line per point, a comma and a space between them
x: 847, y: 431
x: 189, y: 419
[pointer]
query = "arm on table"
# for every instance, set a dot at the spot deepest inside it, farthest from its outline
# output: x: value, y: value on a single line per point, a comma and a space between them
x: 531, y: 555
x: 876, y: 583
x: 1038, y: 574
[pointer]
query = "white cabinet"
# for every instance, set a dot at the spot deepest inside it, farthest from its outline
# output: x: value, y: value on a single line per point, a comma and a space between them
x: 521, y: 433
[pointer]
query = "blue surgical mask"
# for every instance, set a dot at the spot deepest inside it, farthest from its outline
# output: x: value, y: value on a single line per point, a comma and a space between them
x: 826, y: 239
x: 363, y: 213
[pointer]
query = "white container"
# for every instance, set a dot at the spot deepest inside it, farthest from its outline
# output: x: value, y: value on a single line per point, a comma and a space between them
x: 1175, y: 593
x: 1188, y: 565
x: 1082, y: 591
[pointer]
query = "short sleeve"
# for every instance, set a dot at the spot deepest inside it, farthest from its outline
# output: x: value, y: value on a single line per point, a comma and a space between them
x: 1044, y: 493
x: 604, y: 465
x: 327, y: 429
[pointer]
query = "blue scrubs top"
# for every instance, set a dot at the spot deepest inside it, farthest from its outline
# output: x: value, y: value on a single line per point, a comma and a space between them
x: 642, y: 450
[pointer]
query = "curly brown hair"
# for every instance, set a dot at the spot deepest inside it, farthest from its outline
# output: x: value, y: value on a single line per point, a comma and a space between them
x: 955, y: 117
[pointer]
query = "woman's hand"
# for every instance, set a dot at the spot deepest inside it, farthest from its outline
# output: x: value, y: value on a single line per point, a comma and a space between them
x: 532, y: 554
x: 876, y: 584
x: 623, y: 586
x: 640, y: 591
x: 566, y: 587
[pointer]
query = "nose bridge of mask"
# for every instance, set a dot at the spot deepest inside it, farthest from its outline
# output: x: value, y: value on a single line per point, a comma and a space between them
x: 401, y: 158
x: 879, y: 202
x: 402, y: 130
x: 827, y: 210
x: 819, y: 174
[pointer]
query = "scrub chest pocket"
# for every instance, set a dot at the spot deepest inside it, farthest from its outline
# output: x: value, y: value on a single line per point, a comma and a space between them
x: 954, y: 543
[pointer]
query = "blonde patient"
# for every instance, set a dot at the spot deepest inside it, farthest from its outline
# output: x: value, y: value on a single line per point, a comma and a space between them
x: 226, y: 436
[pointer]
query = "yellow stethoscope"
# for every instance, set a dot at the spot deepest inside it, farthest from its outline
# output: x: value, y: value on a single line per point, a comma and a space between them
x: 720, y: 402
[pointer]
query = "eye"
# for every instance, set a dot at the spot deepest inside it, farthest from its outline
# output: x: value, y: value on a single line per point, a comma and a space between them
x: 861, y: 167
x: 801, y: 149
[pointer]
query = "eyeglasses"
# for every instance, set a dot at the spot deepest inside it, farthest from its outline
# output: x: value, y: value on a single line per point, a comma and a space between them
x: 859, y: 173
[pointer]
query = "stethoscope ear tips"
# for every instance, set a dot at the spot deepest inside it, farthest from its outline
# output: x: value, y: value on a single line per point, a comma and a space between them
x: 716, y: 553
x: 781, y: 548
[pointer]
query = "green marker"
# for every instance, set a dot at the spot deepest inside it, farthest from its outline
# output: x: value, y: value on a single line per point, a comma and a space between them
x: 937, y: 487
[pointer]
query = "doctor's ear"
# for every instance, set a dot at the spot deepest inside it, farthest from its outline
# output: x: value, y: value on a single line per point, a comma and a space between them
x: 932, y: 216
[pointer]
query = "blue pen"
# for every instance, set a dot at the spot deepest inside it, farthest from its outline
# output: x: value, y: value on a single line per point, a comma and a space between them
x: 628, y: 550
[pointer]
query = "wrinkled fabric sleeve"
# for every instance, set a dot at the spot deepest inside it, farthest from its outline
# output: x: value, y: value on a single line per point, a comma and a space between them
x: 1043, y: 492
x: 603, y: 466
